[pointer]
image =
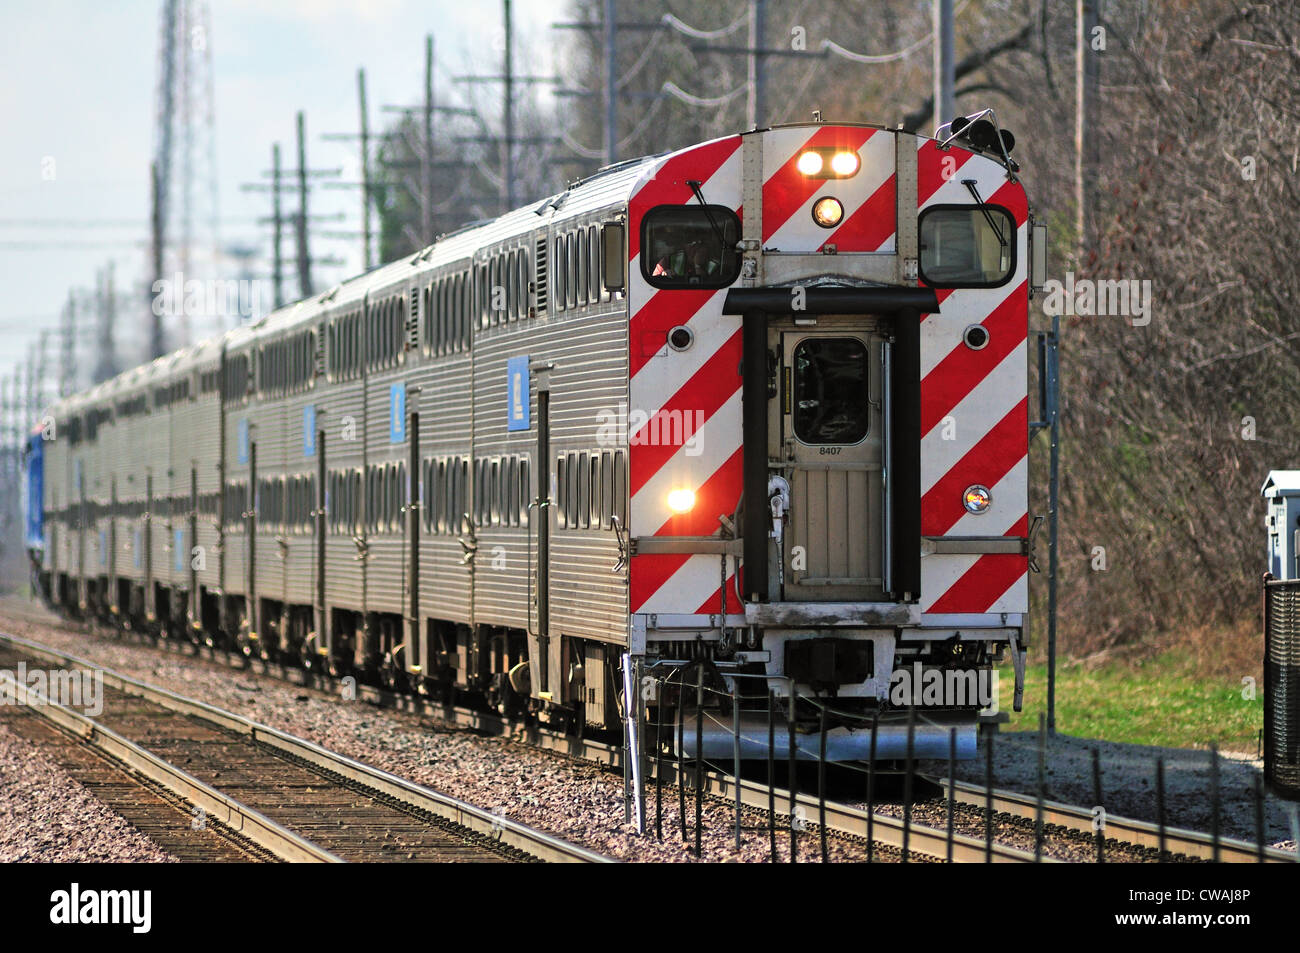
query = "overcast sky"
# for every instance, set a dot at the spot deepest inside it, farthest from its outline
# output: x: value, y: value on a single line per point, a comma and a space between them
x: 77, y: 97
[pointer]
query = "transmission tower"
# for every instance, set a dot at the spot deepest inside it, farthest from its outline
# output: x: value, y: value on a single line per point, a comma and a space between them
x: 185, y: 166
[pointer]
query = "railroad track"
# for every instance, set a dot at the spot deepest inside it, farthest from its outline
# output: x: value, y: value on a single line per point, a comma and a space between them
x: 1143, y: 834
x: 288, y: 796
x: 1126, y: 839
x: 157, y: 811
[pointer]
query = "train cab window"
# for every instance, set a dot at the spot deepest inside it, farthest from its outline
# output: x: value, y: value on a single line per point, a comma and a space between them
x: 830, y: 401
x: 964, y: 246
x: 690, y: 246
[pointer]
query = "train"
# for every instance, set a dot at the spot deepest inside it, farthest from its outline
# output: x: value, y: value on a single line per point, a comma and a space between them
x: 757, y: 406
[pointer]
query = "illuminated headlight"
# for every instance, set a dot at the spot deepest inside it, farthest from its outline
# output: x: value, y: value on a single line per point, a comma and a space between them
x: 810, y: 163
x: 976, y: 499
x: 828, y: 212
x: 845, y: 163
x: 681, y: 501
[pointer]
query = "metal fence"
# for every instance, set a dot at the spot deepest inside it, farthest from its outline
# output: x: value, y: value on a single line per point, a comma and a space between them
x: 702, y: 735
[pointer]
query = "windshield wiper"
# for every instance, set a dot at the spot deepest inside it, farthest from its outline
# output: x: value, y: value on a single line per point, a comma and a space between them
x: 717, y: 232
x: 988, y: 216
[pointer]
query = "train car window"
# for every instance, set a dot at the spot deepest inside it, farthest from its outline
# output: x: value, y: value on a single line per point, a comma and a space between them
x: 397, y: 330
x: 519, y: 498
x: 437, y: 319
x: 494, y: 505
x: 462, y: 496
x: 438, y: 517
x: 354, y: 517
x: 561, y: 493
x: 606, y: 488
x: 391, y: 506
x: 571, y: 272
x: 690, y: 246
x: 964, y: 246
x: 521, y: 285
x: 558, y: 271
x: 525, y: 490
x: 581, y: 478
x: 580, y: 261
x: 593, y: 267
x: 399, y: 497
x: 830, y: 401
x: 620, y: 487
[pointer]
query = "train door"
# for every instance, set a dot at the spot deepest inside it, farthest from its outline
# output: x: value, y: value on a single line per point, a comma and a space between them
x: 833, y: 440
x: 540, y: 582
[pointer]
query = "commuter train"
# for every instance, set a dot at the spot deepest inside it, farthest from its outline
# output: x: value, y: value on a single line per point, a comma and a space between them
x: 760, y: 405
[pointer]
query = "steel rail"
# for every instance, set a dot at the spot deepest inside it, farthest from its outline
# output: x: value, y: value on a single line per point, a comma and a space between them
x: 840, y: 818
x: 506, y: 831
x: 1126, y: 830
x: 244, y: 820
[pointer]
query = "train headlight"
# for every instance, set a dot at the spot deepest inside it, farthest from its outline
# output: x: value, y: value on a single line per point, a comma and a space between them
x: 810, y: 163
x: 827, y: 212
x: 976, y: 499
x: 681, y: 501
x: 845, y: 163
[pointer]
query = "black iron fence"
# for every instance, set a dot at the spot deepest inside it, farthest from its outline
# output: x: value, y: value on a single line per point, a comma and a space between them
x: 688, y: 729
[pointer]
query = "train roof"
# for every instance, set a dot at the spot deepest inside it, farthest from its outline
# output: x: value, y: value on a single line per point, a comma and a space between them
x: 608, y: 186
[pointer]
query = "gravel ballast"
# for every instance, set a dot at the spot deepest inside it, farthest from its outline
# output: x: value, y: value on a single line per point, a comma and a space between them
x: 47, y: 816
x: 584, y: 803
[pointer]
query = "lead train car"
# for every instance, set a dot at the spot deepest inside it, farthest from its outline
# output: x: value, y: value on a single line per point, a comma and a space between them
x: 760, y: 403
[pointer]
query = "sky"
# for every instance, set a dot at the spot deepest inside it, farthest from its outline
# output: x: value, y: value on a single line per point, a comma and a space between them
x: 77, y: 97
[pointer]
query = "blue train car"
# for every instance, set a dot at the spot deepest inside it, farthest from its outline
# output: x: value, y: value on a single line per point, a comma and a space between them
x: 33, y: 497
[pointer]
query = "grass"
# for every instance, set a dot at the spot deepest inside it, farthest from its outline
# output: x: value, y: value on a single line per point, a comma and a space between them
x: 1163, y: 700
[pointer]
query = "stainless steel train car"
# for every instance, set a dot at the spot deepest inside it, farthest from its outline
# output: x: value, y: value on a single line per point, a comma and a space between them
x: 758, y: 405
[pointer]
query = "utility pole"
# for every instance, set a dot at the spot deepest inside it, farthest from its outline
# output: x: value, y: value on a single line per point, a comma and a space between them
x: 156, y: 222
x: 757, y: 74
x: 1087, y: 79
x: 277, y: 174
x: 426, y: 155
x: 67, y: 347
x: 508, y: 120
x: 365, y: 167
x: 365, y: 185
x: 106, y: 365
x: 611, y: 82
x: 304, y: 254
x: 277, y: 229
x: 945, y: 43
